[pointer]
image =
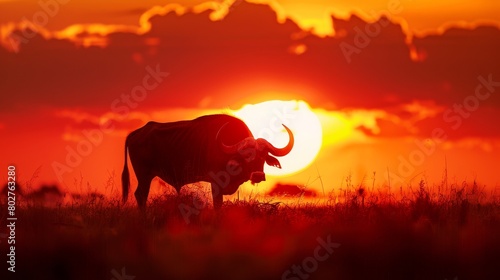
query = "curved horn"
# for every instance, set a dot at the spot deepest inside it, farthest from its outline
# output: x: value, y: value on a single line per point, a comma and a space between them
x: 285, y: 150
x: 225, y: 148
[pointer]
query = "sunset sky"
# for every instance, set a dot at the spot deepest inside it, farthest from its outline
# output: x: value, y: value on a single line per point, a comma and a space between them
x: 406, y: 88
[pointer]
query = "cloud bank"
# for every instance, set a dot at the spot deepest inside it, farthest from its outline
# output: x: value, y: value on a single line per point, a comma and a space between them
x: 251, y: 56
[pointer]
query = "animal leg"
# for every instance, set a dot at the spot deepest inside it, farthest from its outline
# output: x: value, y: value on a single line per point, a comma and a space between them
x: 142, y: 193
x: 216, y: 196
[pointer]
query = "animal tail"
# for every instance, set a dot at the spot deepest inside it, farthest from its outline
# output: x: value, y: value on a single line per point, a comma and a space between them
x: 125, y: 175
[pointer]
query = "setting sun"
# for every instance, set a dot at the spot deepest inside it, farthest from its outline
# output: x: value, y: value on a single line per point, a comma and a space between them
x: 265, y: 121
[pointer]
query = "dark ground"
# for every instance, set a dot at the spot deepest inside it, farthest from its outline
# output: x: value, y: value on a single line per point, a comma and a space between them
x: 359, y: 238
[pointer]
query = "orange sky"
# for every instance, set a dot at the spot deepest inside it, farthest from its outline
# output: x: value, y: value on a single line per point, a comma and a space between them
x: 422, y: 15
x: 378, y: 95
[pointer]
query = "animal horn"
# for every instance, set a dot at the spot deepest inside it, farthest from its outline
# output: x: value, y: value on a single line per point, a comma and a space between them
x: 225, y: 148
x: 279, y: 152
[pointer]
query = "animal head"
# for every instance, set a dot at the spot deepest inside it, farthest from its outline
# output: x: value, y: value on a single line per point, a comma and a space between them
x: 250, y: 154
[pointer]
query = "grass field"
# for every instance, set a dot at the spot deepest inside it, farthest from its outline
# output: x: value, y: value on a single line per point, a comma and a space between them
x: 349, y: 234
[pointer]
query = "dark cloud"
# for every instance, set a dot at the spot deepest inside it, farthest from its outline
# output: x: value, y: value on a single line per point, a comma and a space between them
x: 366, y: 65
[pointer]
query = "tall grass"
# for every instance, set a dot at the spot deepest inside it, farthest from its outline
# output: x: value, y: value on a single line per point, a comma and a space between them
x: 414, y: 232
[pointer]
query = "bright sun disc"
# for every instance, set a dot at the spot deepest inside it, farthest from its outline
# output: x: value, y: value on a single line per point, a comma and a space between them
x: 265, y: 119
